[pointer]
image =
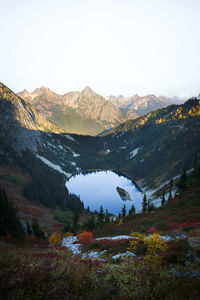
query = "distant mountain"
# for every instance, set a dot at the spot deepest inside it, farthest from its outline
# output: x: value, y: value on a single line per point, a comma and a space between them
x: 88, y: 113
x: 143, y: 105
x: 77, y: 112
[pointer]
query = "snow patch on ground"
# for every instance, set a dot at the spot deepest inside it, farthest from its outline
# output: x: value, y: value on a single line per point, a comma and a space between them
x: 134, y: 152
x: 127, y: 253
x: 119, y: 237
x: 68, y: 242
x: 51, y: 165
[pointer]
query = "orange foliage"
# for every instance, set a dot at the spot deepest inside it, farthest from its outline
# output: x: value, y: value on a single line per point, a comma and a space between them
x: 85, y: 238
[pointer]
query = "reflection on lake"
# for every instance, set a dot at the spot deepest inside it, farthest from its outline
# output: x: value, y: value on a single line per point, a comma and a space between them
x: 100, y: 188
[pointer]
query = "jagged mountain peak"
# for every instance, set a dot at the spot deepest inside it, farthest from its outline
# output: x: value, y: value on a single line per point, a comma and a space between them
x: 41, y: 90
x: 87, y: 90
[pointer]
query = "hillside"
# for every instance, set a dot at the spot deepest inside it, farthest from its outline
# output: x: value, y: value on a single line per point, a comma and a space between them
x: 156, y: 147
x: 34, y: 145
x: 18, y: 116
x: 13, y: 179
x: 179, y: 213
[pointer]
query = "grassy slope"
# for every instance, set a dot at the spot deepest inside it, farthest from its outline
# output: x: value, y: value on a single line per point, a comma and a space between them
x: 184, y: 208
x: 13, y: 180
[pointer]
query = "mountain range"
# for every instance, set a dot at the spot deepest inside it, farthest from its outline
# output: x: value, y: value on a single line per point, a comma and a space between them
x: 77, y: 112
x: 151, y: 149
x: 145, y: 104
x: 86, y: 112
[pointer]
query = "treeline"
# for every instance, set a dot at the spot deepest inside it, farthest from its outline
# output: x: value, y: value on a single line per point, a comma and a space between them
x: 192, y: 179
x: 48, y: 186
x: 10, y: 223
x: 95, y: 220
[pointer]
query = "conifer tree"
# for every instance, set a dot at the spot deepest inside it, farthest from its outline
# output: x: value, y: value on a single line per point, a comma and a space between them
x: 101, y: 215
x: 9, y: 222
x: 123, y: 211
x: 132, y: 210
x: 170, y: 188
x: 91, y: 223
x: 163, y: 198
x: 182, y: 183
x: 144, y: 204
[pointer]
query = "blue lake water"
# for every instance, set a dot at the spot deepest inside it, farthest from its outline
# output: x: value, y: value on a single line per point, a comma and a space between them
x: 99, y: 188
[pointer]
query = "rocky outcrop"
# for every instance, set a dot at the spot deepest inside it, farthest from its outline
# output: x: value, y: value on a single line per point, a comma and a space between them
x: 21, y: 124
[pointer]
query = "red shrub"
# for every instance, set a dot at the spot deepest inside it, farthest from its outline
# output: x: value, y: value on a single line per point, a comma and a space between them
x: 152, y: 230
x: 85, y: 238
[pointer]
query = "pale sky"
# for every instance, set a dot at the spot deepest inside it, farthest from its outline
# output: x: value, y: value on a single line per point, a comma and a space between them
x: 114, y: 46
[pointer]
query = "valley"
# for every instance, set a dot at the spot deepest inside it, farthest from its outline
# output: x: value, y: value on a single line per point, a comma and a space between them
x: 150, y: 150
x: 118, y: 210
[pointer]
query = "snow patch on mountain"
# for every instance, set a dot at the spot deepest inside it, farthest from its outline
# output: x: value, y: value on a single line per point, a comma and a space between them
x: 134, y: 152
x: 53, y: 166
x: 73, y: 153
x: 69, y: 137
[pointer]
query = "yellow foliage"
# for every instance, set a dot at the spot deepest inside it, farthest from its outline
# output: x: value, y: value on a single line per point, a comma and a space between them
x: 121, y: 221
x: 138, y: 237
x: 159, y: 121
x: 55, y: 238
x: 155, y: 248
x: 155, y: 244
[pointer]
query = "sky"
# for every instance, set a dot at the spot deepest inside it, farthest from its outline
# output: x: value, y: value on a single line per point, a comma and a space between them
x: 116, y: 47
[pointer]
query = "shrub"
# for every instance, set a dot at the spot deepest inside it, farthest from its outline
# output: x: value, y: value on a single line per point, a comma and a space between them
x: 85, y: 238
x: 152, y: 246
x: 55, y: 238
x: 152, y: 229
x: 176, y: 252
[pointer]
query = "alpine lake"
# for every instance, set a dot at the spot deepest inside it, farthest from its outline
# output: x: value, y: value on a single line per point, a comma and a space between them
x: 105, y: 188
